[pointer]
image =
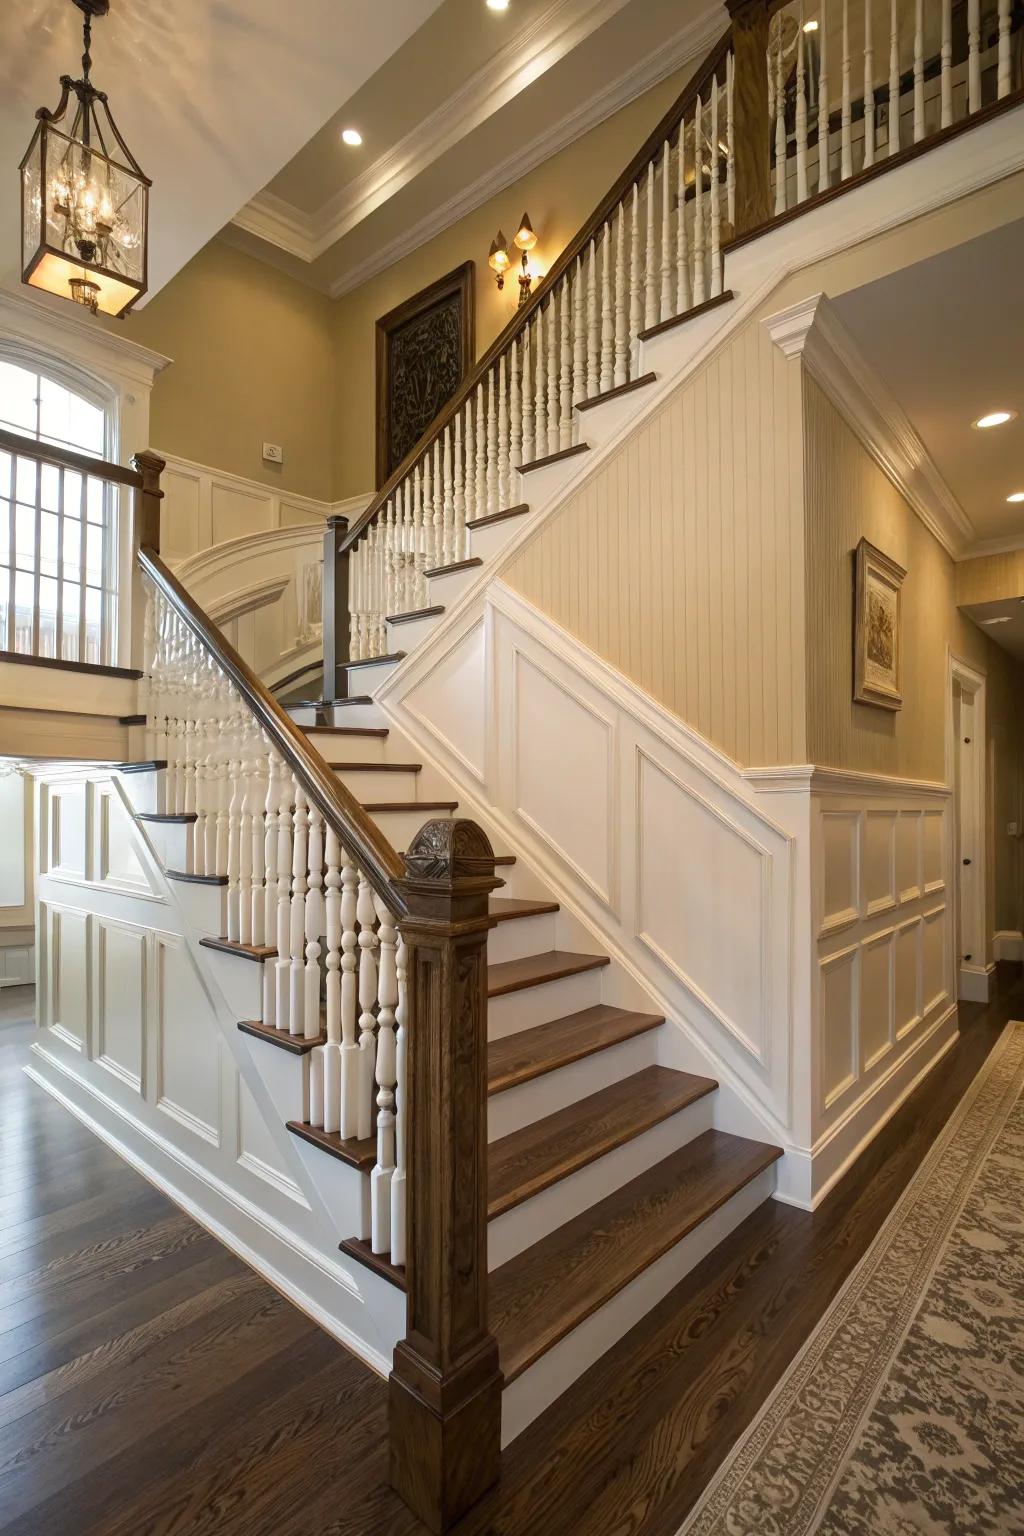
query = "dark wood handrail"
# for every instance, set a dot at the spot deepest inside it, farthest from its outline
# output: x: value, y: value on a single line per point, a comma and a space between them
x: 651, y: 146
x: 66, y: 458
x: 363, y: 840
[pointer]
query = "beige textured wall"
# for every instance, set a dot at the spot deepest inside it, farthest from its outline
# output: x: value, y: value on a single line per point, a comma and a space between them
x: 990, y: 578
x: 253, y: 363
x: 681, y: 560
x: 558, y: 195
x: 847, y: 496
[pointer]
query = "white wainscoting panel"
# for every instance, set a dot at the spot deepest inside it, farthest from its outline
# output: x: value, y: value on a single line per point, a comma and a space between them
x: 120, y: 1006
x: 439, y: 703
x: 188, y: 1085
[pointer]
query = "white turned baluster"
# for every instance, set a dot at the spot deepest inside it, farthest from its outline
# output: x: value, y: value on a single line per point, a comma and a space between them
x: 946, y: 65
x: 650, y: 272
x: 420, y: 538
x: 565, y: 375
x: 504, y: 498
x: 684, y: 289
x: 314, y: 922
x: 328, y: 1069
x: 223, y: 794
x: 593, y: 329
x: 439, y: 523
x: 894, y: 80
x: 540, y: 390
x: 389, y: 601
x: 261, y: 771
x: 716, y: 201
x: 636, y: 311
x: 801, y: 110
x: 387, y: 994
x: 699, y: 288
x: 245, y: 825
x: 408, y: 547
x: 448, y: 496
x: 824, y: 173
x: 234, y: 842
x: 355, y: 565
x: 349, y: 1053
x: 460, y: 491
x: 270, y: 846
x: 665, y: 311
x: 481, y: 453
x: 283, y: 924
x: 430, y: 557
x: 621, y: 307
x: 551, y: 353
x: 297, y: 931
x: 366, y: 914
x: 918, y: 71
x: 515, y: 412
x: 607, y: 313
x: 398, y: 1177
x: 492, y: 446
x: 730, y: 140
x: 869, y: 87
x: 1003, y: 72
x: 469, y: 444
x: 846, y: 143
x: 529, y: 345
x: 779, y: 100
x: 579, y: 334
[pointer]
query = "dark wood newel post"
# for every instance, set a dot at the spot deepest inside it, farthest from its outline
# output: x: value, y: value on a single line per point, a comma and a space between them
x: 445, y: 1390
x: 334, y: 598
x: 752, y: 128
x: 147, y: 499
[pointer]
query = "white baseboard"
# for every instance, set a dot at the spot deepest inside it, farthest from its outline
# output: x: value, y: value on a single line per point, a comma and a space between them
x: 325, y: 1290
x: 1008, y: 944
x: 974, y: 983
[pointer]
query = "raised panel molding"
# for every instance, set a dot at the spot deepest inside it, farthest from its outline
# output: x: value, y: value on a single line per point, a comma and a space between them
x: 879, y: 867
x: 841, y: 850
x: 116, y: 862
x: 65, y: 1006
x: 120, y: 999
x: 65, y: 821
x: 447, y: 702
x: 875, y: 1010
x: 839, y: 1003
x: 187, y: 1049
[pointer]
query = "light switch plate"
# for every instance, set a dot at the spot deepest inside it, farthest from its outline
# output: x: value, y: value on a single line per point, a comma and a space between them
x: 273, y: 453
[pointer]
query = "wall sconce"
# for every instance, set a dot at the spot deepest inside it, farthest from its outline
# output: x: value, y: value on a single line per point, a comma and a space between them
x: 499, y: 261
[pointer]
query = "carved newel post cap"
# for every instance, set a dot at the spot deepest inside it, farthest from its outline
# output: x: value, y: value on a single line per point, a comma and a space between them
x: 449, y: 850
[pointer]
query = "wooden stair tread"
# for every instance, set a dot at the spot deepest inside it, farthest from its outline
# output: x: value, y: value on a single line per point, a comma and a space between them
x: 688, y: 314
x: 168, y: 818
x: 411, y: 805
x: 543, y: 1293
x: 506, y: 908
x: 356, y: 698
x: 370, y: 661
x: 554, y: 458
x: 376, y: 767
x: 247, y: 951
x: 414, y: 613
x: 533, y: 970
x: 499, y: 517
x: 298, y: 1045
x: 152, y: 766
x: 532, y: 1052
x: 358, y: 1248
x: 619, y: 389
x: 187, y: 879
x: 539, y: 1155
x: 357, y: 1154
x: 346, y: 730
x: 458, y: 565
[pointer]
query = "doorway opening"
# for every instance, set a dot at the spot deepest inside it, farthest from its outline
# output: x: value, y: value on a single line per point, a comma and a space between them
x: 966, y: 773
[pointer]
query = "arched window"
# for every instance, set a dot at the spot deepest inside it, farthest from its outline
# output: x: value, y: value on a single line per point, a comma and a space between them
x: 57, y: 546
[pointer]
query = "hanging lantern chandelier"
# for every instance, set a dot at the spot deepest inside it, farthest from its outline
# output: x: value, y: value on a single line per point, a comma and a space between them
x: 84, y: 198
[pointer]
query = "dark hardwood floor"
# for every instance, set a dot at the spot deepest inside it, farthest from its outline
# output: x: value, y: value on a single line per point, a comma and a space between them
x: 152, y: 1385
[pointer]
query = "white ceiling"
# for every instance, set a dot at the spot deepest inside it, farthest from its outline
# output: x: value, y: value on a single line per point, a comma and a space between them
x: 213, y: 96
x: 1008, y: 628
x: 947, y: 337
x: 470, y: 104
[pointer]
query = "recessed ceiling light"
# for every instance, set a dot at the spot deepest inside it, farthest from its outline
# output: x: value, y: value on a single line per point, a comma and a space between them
x: 497, y: 5
x: 994, y: 419
x: 1016, y: 496
x: 811, y: 26
x: 1003, y: 619
x: 351, y: 136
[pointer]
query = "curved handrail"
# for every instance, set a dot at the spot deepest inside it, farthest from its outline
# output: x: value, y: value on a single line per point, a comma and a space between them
x: 381, y: 863
x: 651, y: 146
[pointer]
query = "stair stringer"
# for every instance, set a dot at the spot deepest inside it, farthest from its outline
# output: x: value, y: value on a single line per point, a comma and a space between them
x: 931, y: 184
x: 292, y: 1240
x: 758, y: 1096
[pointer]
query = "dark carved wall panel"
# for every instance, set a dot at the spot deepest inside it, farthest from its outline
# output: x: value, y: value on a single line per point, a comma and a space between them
x: 424, y: 349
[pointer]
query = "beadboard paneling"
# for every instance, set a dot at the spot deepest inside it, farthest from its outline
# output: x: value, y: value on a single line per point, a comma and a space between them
x: 681, y: 560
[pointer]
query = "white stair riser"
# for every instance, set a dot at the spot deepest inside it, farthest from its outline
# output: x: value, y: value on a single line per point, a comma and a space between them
x: 143, y: 789
x: 518, y: 937
x: 369, y: 677
x: 240, y: 979
x: 601, y: 423
x: 205, y: 907
x: 486, y: 542
x: 172, y: 843
x: 350, y: 749
x: 514, y: 1011
x: 400, y: 827
x: 408, y: 635
x: 285, y: 1077
x: 537, y: 1388
x: 344, y: 1190
x: 542, y: 486
x: 357, y: 714
x: 368, y: 785
x: 666, y: 354
x: 516, y: 1107
x: 526, y: 1224
x: 301, y: 716
x: 443, y: 590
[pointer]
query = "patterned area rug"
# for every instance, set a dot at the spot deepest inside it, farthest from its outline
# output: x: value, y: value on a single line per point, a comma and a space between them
x: 904, y: 1412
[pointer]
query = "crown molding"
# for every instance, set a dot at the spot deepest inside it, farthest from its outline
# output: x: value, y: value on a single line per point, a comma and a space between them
x: 562, y: 27
x: 812, y: 331
x: 62, y: 328
x: 813, y: 778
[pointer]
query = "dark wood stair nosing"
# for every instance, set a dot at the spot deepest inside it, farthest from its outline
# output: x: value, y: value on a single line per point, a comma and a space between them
x: 375, y: 807
x: 256, y: 952
x: 357, y: 1154
x: 370, y: 661
x: 418, y: 613
x: 358, y: 1248
x: 725, y: 297
x: 458, y: 565
x: 131, y: 719
x: 345, y: 730
x: 375, y: 767
x: 510, y: 909
x: 168, y: 818
x: 153, y: 766
x: 559, y: 964
x: 553, y: 458
x: 561, y: 1042
x: 499, y: 517
x: 297, y: 1045
x: 185, y: 878
x: 619, y: 389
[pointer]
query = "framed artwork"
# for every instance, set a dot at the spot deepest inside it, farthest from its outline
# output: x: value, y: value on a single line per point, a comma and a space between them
x: 878, y: 629
x: 424, y: 350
